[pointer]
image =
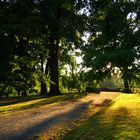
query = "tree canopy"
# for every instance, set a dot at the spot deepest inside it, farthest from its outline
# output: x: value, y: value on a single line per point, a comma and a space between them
x: 37, y: 36
x: 113, y: 41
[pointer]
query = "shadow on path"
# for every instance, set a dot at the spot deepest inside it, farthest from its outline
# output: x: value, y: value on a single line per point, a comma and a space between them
x: 46, y: 124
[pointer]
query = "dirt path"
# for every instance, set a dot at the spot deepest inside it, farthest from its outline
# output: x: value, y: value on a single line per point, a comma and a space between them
x: 28, y: 124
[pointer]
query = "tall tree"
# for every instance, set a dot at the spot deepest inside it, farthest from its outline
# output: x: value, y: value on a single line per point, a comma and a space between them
x: 113, y: 41
x: 18, y: 31
x: 63, y: 23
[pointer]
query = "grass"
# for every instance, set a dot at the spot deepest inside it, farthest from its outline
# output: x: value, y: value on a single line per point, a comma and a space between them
x: 118, y: 121
x: 8, y: 105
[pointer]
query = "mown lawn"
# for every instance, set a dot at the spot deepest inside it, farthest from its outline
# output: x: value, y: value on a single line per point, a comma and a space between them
x: 8, y: 105
x: 118, y: 121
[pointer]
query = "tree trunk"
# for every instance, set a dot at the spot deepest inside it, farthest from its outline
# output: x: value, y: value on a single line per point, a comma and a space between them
x: 126, y: 87
x: 54, y: 72
x: 18, y: 92
x: 125, y: 80
x: 54, y: 54
x: 24, y: 93
x: 43, y: 87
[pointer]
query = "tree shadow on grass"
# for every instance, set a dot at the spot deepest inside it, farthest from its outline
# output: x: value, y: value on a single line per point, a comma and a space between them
x: 48, y: 123
x: 112, y: 126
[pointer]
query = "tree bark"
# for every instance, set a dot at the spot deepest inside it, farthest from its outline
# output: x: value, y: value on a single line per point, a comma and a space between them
x: 54, y: 53
x: 125, y: 80
x: 43, y: 87
x: 126, y: 87
x: 54, y: 71
x: 24, y: 93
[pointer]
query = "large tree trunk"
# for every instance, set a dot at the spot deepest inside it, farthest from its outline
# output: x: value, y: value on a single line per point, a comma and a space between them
x: 126, y: 83
x: 43, y: 87
x: 54, y: 71
x: 54, y: 54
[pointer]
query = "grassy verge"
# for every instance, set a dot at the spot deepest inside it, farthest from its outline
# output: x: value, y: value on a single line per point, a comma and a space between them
x: 118, y: 121
x: 22, y: 103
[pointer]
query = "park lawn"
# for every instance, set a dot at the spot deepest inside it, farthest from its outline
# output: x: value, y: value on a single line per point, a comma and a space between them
x: 13, y: 104
x: 118, y: 121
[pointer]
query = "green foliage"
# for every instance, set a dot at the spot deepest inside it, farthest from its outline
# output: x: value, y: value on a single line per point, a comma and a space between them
x: 31, y: 35
x: 18, y: 56
x: 113, y: 40
x: 35, y: 42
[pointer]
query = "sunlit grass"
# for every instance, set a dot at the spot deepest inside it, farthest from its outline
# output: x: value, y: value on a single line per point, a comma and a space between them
x: 15, y: 104
x: 118, y: 121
